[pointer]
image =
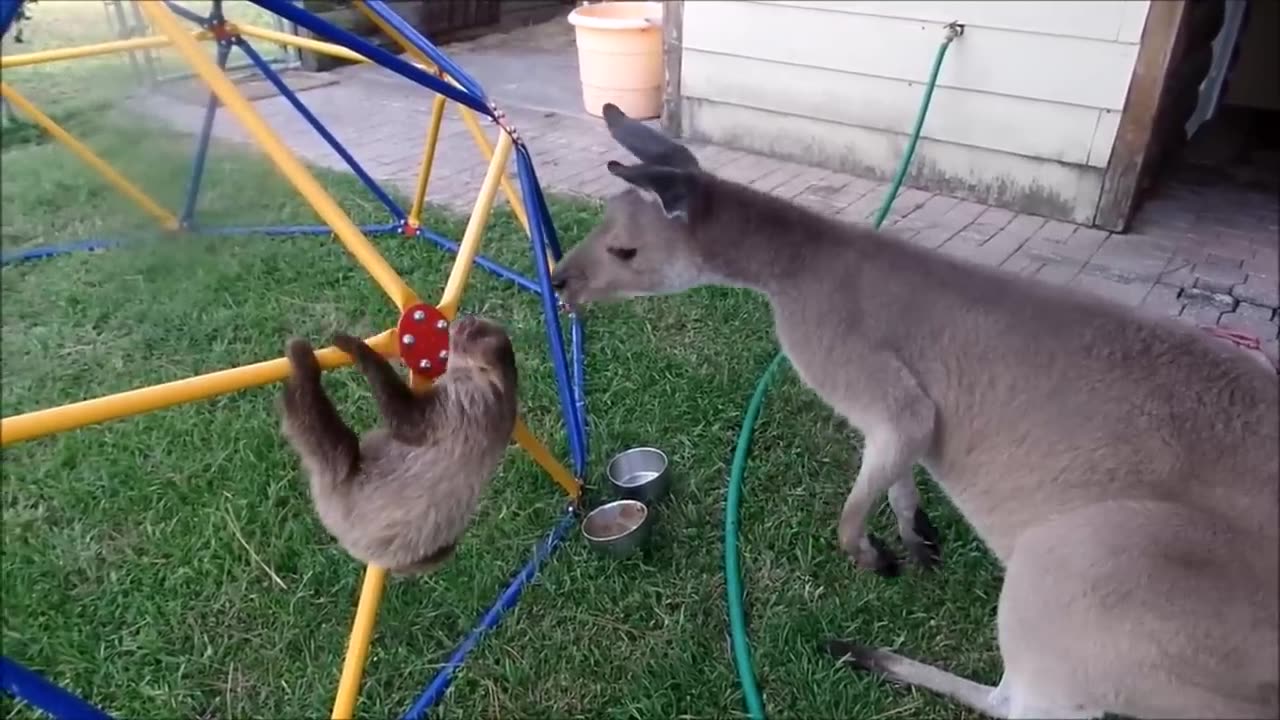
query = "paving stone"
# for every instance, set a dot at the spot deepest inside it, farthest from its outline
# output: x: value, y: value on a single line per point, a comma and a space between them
x: 775, y: 178
x: 800, y: 182
x: 906, y: 203
x: 929, y: 212
x: 1201, y: 314
x: 1265, y: 262
x: 1164, y: 300
x: 1259, y: 290
x: 1130, y: 259
x: 1059, y: 272
x: 1197, y: 296
x: 937, y: 231
x: 988, y: 223
x: 865, y: 208
x: 1125, y: 293
x: 747, y: 169
x: 997, y: 249
x: 1252, y: 319
x: 1179, y: 272
x: 834, y: 193
x: 1216, y: 275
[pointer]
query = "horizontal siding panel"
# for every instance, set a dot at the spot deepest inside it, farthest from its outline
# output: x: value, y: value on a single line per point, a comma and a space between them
x: 997, y: 122
x: 1094, y: 19
x: 1054, y: 68
x: 1023, y: 184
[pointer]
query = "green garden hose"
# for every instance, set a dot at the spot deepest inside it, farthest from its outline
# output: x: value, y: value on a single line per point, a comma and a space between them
x: 732, y: 570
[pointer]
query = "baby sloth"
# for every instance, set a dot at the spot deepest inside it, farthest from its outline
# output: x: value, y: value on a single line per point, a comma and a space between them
x: 401, y: 496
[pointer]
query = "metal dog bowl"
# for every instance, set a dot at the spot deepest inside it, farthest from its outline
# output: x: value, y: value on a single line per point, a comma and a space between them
x: 640, y: 474
x: 618, y: 528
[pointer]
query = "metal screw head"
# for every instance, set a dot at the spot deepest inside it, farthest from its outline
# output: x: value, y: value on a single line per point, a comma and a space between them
x: 419, y: 315
x: 424, y: 364
x: 444, y: 354
x: 407, y: 339
x: 442, y: 323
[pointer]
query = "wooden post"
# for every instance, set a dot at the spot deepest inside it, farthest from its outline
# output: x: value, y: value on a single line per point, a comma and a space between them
x: 1157, y: 50
x: 672, y: 50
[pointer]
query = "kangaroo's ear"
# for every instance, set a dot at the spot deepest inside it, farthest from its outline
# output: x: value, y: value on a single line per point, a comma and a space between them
x: 648, y: 145
x: 672, y: 188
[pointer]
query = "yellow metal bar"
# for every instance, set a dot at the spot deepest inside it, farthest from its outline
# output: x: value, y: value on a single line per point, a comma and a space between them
x: 84, y: 51
x: 470, y: 245
x: 344, y: 703
x: 525, y: 438
x: 318, y: 46
x: 82, y: 151
x: 40, y: 423
x: 468, y: 116
x: 508, y: 189
x: 285, y: 161
x: 428, y: 158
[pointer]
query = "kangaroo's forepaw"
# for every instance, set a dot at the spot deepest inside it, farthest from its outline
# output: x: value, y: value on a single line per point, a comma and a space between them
x: 872, y: 554
x: 926, y: 548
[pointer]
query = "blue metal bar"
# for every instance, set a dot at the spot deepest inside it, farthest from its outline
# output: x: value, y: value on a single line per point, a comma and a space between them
x: 355, y: 43
x: 9, y: 10
x: 29, y: 686
x: 577, y: 342
x: 270, y: 74
x: 48, y: 251
x: 550, y: 308
x: 544, y: 211
x: 501, y: 271
x: 415, y: 38
x: 440, y: 683
x: 186, y: 14
x: 291, y: 229
x: 202, y: 148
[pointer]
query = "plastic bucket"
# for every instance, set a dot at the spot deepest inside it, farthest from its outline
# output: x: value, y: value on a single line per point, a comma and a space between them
x: 620, y: 56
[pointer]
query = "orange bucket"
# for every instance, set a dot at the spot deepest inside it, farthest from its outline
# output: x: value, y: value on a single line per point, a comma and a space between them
x: 620, y: 56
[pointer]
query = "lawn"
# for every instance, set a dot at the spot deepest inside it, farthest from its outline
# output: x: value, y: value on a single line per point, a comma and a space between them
x: 169, y: 565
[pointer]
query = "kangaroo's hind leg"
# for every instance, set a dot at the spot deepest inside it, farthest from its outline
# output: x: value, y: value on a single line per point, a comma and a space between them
x: 399, y: 408
x: 310, y: 422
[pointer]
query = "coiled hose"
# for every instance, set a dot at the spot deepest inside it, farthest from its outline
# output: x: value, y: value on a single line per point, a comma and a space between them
x: 732, y: 568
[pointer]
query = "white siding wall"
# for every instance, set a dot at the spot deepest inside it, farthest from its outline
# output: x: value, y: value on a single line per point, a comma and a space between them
x: 1024, y: 114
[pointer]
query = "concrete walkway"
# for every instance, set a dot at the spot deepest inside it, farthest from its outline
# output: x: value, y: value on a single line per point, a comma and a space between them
x: 1199, y: 251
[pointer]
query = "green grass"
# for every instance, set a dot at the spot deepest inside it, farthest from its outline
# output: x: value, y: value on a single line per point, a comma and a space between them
x: 125, y: 577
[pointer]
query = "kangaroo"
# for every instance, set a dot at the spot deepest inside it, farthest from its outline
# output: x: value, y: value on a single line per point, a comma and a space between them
x: 402, y: 495
x: 1122, y: 469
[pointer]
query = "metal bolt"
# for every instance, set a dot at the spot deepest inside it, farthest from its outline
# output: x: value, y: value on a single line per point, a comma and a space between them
x: 419, y: 315
x: 424, y: 364
x: 407, y: 339
x: 442, y: 323
x: 444, y: 354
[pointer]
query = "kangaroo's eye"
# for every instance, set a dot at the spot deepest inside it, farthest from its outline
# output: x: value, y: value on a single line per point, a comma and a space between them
x: 622, y: 253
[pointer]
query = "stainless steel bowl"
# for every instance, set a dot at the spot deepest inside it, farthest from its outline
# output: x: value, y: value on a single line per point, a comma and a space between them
x: 640, y: 473
x: 618, y: 528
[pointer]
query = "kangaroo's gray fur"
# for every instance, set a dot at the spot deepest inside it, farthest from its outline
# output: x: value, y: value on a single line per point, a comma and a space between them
x: 402, y: 495
x: 1122, y: 469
